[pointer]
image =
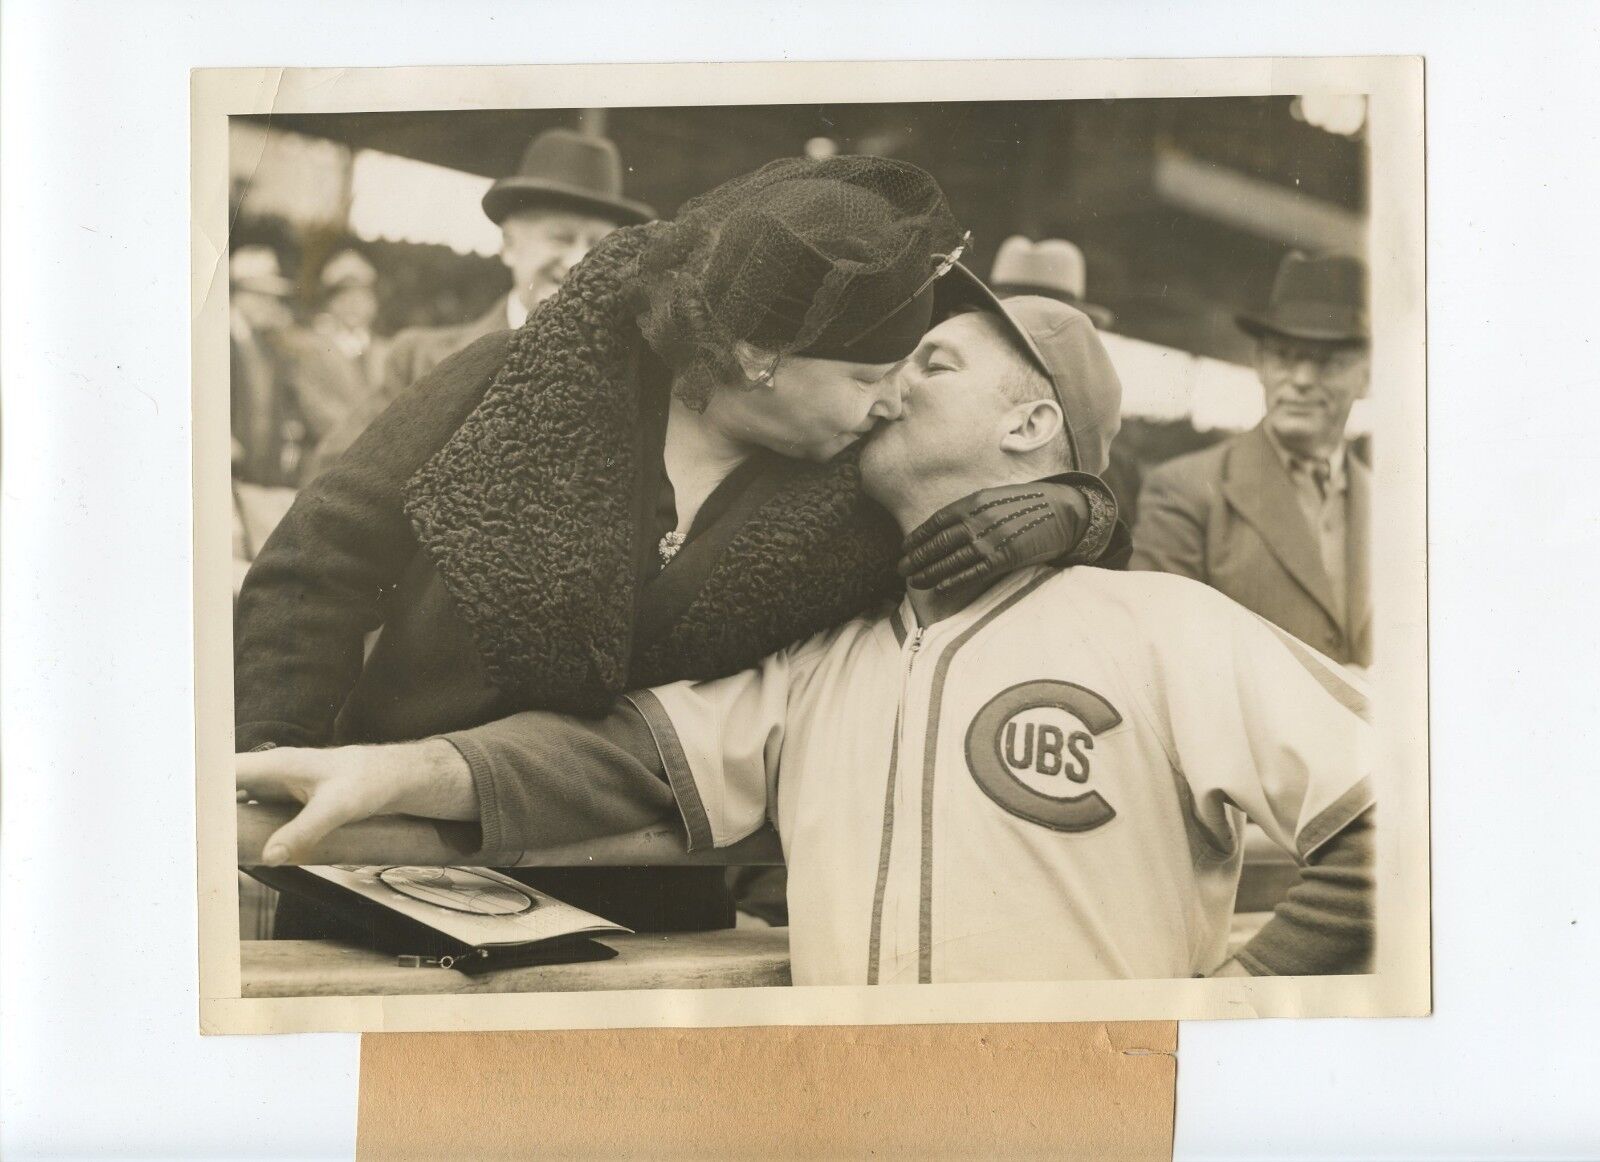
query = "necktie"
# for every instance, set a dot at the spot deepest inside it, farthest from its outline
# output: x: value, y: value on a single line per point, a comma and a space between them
x: 1318, y: 469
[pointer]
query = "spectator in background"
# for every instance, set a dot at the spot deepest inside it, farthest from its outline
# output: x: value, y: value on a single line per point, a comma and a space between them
x: 334, y: 365
x: 1277, y: 518
x: 349, y: 285
x: 566, y: 196
x: 1055, y: 269
x: 268, y: 432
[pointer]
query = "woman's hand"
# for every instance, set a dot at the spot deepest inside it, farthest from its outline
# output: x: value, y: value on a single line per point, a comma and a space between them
x: 996, y: 531
x: 346, y: 784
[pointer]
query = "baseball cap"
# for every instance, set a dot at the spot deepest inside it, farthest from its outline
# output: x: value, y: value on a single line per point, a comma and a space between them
x: 1062, y: 342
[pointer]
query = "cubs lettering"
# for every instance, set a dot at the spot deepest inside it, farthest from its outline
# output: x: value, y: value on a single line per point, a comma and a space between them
x: 1049, y: 759
x: 1030, y: 750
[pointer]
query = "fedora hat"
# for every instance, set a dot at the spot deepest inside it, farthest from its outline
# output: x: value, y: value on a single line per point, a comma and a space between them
x: 562, y: 168
x: 1053, y: 269
x: 1323, y: 299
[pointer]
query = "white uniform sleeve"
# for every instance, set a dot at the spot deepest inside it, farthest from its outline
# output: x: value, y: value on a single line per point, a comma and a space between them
x: 720, y: 742
x: 1263, y: 723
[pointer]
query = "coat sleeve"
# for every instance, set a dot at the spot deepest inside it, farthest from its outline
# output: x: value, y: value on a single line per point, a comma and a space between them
x: 705, y: 752
x: 545, y: 780
x: 1170, y: 536
x: 1325, y: 924
x: 318, y: 585
x: 1102, y: 541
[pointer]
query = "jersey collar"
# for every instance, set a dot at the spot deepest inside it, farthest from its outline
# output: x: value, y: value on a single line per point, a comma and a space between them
x: 905, y: 623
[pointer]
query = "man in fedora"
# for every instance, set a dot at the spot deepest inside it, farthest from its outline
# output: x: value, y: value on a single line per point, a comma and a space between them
x: 565, y: 197
x: 1277, y: 518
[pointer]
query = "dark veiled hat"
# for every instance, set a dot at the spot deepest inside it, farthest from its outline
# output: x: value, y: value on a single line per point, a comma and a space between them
x: 828, y: 258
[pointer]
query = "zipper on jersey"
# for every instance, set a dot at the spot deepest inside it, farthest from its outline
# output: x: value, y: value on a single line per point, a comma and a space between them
x: 891, y: 795
x: 913, y: 646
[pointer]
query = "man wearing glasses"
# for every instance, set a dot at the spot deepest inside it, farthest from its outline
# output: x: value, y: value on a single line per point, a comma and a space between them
x: 1277, y: 518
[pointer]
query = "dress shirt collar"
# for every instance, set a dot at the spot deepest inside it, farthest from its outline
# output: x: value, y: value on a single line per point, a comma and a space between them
x: 1336, y: 460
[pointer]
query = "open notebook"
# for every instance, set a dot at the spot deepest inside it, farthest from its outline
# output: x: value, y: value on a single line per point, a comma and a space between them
x: 468, y: 918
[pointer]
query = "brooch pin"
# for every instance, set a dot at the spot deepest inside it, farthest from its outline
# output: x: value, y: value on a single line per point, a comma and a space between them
x: 669, y: 546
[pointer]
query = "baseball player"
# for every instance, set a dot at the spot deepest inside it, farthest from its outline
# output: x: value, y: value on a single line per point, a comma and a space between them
x: 1043, y: 779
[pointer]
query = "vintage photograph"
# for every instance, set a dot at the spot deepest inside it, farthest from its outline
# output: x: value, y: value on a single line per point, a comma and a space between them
x: 942, y: 525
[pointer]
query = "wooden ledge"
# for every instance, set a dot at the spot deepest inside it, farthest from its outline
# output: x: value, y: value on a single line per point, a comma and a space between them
x: 731, y: 958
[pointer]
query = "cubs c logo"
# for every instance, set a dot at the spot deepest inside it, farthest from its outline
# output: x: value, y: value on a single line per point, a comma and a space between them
x: 1031, y: 749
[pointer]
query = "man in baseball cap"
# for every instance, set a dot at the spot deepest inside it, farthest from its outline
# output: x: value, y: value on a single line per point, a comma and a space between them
x: 1044, y: 358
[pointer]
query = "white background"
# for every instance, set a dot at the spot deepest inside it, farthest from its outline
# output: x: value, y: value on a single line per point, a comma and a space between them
x: 101, y: 1058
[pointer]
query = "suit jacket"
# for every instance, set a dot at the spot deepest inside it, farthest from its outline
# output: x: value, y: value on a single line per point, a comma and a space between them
x: 1228, y: 516
x: 412, y: 354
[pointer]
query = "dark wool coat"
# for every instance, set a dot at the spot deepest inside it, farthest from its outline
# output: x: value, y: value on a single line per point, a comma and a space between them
x: 487, y: 522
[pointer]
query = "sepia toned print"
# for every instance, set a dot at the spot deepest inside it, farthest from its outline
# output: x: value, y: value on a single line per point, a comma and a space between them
x: 935, y: 525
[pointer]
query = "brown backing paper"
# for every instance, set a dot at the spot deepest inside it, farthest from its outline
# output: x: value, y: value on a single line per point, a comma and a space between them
x: 1101, y: 1091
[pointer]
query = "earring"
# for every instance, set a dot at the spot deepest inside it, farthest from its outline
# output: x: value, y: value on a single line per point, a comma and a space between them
x: 765, y: 377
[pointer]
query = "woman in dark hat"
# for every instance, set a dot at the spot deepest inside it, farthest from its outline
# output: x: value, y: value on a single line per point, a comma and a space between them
x: 650, y: 480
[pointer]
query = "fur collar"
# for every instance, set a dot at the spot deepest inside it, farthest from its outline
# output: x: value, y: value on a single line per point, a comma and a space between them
x: 527, y: 513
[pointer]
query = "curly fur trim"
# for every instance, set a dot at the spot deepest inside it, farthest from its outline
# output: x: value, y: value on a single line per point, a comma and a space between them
x: 525, y: 510
x: 527, y: 513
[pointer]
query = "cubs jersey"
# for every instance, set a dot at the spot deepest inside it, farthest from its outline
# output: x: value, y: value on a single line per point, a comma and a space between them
x: 1049, y: 785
